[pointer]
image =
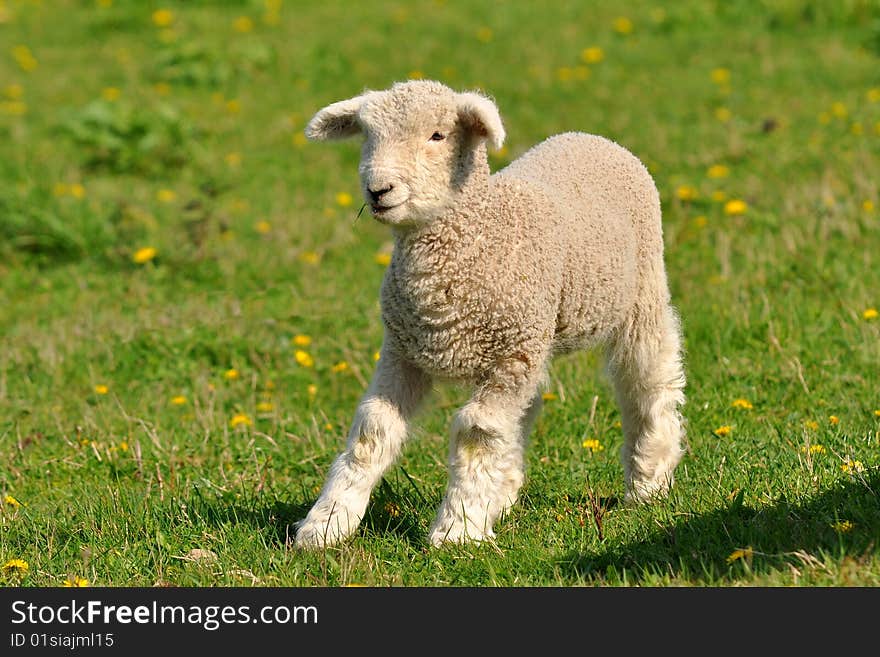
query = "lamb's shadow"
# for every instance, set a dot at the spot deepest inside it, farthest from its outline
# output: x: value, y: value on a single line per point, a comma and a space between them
x: 842, y: 522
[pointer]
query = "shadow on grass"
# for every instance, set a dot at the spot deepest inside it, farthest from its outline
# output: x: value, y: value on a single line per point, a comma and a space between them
x: 783, y: 535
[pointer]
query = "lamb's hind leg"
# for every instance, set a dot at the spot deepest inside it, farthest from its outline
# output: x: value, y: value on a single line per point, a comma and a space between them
x: 645, y: 364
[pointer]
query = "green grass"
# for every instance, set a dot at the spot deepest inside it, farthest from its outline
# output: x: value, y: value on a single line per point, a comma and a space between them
x: 119, y: 488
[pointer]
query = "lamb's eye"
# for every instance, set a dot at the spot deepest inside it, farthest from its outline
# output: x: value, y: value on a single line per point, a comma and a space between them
x: 437, y: 137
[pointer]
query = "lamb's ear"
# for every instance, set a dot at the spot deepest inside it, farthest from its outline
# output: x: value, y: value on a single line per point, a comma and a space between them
x: 480, y: 115
x: 336, y: 121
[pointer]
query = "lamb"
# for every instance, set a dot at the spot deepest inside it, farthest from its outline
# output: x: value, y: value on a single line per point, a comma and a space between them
x: 492, y: 275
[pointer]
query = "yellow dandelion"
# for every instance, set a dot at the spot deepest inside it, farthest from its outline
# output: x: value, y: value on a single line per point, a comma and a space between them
x: 16, y: 567
x: 719, y: 196
x: 834, y: 420
x: 341, y: 366
x: 723, y: 114
x: 839, y: 110
x: 328, y: 426
x: 302, y: 340
x: 745, y: 553
x: 303, y: 358
x: 110, y: 94
x: 13, y: 108
x: 592, y: 444
x: 549, y: 396
x: 869, y: 313
x: 233, y: 106
x: 11, y: 501
x: 231, y: 374
x: 299, y: 139
x: 13, y: 91
x: 850, y: 466
x: 378, y: 354
x: 178, y: 400
x: 243, y: 24
x: 310, y: 257
x: 564, y: 73
x: 741, y: 403
x: 877, y: 413
x: 868, y: 205
x: 383, y: 259
x: 123, y: 445
x: 24, y: 58
x: 415, y: 75
x: 312, y: 389
x: 163, y: 17
x: 735, y: 207
x: 700, y: 221
x: 344, y: 199
x: 240, y: 419
x: 166, y: 196
x: 814, y: 449
x: 592, y: 55
x: 77, y: 191
x: 718, y: 171
x: 265, y: 407
x: 101, y: 389
x: 263, y: 227
x: 76, y: 582
x: 843, y: 526
x: 623, y: 25
x: 722, y: 431
x: 686, y: 192
x: 232, y: 159
x: 720, y: 75
x: 484, y: 34
x: 811, y: 424
x: 144, y: 255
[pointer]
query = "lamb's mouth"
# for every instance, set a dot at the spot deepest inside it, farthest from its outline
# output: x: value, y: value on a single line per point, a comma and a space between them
x: 378, y: 210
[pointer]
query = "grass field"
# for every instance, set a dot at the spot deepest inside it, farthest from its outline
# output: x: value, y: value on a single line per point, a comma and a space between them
x: 189, y: 314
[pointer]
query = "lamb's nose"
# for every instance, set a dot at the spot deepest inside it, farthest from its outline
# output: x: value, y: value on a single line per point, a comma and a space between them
x: 377, y: 194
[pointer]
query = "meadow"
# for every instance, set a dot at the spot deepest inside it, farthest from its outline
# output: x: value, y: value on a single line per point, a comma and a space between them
x: 189, y: 302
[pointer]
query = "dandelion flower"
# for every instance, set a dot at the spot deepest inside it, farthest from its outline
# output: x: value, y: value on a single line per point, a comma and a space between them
x: 101, y: 389
x: 24, y: 58
x: 243, y: 24
x: 166, y: 195
x: 383, y: 259
x: 686, y: 192
x: 735, y: 207
x: 302, y: 340
x: 310, y: 257
x: 834, y: 420
x: 378, y: 354
x: 720, y: 75
x: 722, y: 431
x: 719, y: 196
x: 877, y: 413
x: 341, y: 366
x: 723, y: 114
x: 623, y: 25
x: 592, y: 55
x: 11, y: 501
x: 592, y: 444
x: 850, y: 466
x: 178, y: 400
x: 240, y: 419
x: 549, y: 396
x: 16, y: 566
x: 745, y: 553
x: 76, y: 582
x: 263, y: 227
x: 231, y: 374
x: 265, y: 407
x: 233, y: 106
x: 741, y: 403
x: 13, y: 108
x: 312, y: 389
x: 870, y: 313
x: 110, y: 94
x: 232, y: 159
x: 811, y: 424
x: 344, y: 199
x: 77, y: 191
x: 718, y: 171
x: 839, y: 110
x: 700, y: 221
x: 813, y: 449
x: 13, y: 91
x: 299, y: 139
x: 415, y: 75
x: 843, y: 526
x: 303, y: 358
x: 163, y: 17
x: 873, y: 95
x: 868, y: 205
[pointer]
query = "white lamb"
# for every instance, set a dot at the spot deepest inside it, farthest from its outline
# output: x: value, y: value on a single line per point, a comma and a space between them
x: 491, y: 276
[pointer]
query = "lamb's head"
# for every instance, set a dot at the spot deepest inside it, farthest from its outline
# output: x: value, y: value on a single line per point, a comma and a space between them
x: 423, y: 146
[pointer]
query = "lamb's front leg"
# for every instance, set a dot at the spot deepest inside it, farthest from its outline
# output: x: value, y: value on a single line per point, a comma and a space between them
x: 486, y: 462
x: 374, y: 443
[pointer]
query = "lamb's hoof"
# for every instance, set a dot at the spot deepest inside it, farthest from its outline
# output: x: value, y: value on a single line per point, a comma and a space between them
x: 457, y: 533
x: 648, y: 490
x: 320, y: 533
